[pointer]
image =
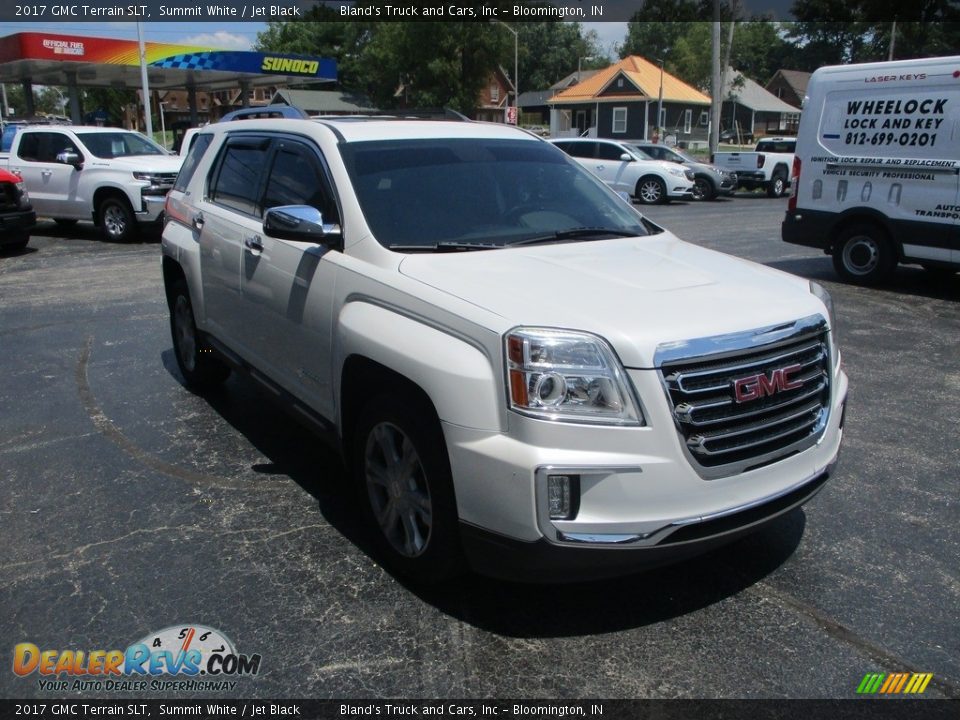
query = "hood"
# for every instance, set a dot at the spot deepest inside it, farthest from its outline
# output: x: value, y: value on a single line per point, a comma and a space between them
x: 142, y: 163
x: 637, y: 293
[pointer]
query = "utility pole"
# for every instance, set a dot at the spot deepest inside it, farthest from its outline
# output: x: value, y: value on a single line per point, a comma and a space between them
x: 144, y: 84
x: 715, y: 86
x: 893, y: 39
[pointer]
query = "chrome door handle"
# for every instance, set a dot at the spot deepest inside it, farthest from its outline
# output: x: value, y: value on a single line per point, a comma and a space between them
x: 253, y: 243
x: 198, y: 221
x: 46, y: 173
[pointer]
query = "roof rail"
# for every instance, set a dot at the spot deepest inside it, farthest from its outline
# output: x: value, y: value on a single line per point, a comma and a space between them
x: 265, y: 111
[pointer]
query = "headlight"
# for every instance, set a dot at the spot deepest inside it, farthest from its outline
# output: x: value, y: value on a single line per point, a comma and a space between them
x: 567, y: 376
x: 24, y: 195
x: 824, y: 297
x: 679, y: 172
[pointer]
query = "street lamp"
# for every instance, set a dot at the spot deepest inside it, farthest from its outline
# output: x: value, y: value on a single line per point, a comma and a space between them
x: 516, y: 79
x: 660, y: 101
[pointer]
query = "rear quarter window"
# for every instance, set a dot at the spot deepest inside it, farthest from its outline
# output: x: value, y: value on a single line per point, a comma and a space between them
x: 198, y: 147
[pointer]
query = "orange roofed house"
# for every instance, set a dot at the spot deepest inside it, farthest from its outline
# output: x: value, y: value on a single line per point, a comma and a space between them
x: 620, y: 102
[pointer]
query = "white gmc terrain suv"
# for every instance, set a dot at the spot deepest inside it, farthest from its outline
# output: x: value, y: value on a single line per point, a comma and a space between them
x: 524, y: 374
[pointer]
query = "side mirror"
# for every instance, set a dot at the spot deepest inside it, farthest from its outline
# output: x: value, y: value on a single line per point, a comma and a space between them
x: 299, y: 222
x: 68, y: 157
x: 626, y: 157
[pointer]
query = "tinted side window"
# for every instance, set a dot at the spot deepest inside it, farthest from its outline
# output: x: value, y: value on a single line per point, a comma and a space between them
x: 29, y: 148
x: 237, y: 184
x: 296, y: 179
x: 198, y: 147
x: 44, y: 146
x: 582, y: 149
x: 607, y: 151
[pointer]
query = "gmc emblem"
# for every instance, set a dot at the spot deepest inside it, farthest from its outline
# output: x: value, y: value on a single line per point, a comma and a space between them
x: 760, y: 385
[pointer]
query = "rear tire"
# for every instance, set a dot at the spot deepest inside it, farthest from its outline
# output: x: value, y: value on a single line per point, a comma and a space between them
x: 400, y: 463
x: 864, y: 255
x: 117, y: 220
x: 778, y: 185
x: 200, y: 368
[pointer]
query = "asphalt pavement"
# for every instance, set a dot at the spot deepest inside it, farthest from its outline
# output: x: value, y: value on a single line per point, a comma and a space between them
x: 129, y: 505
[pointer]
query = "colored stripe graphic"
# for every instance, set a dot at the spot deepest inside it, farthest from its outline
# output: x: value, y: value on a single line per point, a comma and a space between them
x: 894, y: 684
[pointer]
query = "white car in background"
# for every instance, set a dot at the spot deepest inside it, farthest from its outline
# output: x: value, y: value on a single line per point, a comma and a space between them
x: 626, y: 169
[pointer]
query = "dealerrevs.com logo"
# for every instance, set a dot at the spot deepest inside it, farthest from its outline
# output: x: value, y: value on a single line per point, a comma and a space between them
x: 181, y: 657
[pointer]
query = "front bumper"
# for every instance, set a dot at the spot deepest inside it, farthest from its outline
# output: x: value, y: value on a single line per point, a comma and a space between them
x: 680, y: 192
x: 811, y: 228
x: 542, y: 561
x: 14, y: 225
x: 641, y: 502
x: 151, y: 208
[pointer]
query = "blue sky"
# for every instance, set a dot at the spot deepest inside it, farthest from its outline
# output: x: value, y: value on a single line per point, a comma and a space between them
x: 227, y: 35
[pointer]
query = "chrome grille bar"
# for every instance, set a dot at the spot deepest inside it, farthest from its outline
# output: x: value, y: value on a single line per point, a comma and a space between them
x: 726, y: 429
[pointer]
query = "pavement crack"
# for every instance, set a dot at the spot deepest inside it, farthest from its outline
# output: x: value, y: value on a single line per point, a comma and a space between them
x: 844, y: 634
x: 109, y: 430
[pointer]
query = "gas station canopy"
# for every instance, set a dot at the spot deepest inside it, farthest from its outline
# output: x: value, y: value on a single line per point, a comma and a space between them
x: 76, y: 60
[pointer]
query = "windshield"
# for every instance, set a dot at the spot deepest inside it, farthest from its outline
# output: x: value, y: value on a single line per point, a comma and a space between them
x: 119, y: 144
x: 480, y: 192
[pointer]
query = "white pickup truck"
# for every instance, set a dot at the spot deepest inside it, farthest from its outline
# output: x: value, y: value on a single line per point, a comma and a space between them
x: 117, y: 178
x: 768, y: 166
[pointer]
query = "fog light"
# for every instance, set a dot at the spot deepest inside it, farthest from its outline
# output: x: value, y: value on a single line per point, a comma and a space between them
x: 563, y: 496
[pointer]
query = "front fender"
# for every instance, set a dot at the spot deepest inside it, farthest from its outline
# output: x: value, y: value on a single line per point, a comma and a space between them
x: 459, y: 376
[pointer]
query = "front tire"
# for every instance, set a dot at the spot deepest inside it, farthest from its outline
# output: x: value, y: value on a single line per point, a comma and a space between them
x: 200, y: 368
x: 864, y: 255
x: 651, y: 191
x: 703, y: 189
x: 117, y: 220
x: 403, y: 474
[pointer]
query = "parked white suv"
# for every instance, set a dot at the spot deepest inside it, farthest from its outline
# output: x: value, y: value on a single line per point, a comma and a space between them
x: 521, y: 371
x: 627, y: 169
x: 117, y: 178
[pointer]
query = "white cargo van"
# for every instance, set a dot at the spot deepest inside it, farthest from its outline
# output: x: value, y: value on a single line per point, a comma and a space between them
x: 875, y: 175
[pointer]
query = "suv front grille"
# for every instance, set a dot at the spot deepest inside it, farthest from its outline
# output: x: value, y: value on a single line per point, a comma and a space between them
x: 9, y: 197
x: 742, y: 409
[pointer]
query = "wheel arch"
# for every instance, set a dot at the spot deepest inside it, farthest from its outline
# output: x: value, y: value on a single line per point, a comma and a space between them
x: 380, y: 348
x: 862, y: 215
x: 106, y: 191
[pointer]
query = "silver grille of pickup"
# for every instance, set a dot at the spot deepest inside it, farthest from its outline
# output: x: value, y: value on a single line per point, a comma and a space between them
x: 739, y: 409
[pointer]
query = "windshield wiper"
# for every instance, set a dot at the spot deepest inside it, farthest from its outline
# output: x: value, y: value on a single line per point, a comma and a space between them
x: 582, y: 233
x: 447, y: 246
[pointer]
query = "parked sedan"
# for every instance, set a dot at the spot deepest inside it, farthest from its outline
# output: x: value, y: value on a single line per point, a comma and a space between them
x: 627, y: 169
x: 709, y: 180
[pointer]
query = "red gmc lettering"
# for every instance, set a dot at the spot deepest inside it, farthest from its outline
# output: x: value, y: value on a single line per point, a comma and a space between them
x: 757, y: 386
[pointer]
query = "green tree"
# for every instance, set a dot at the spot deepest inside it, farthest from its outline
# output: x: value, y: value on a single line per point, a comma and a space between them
x: 549, y: 51
x: 436, y: 64
x: 111, y: 100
